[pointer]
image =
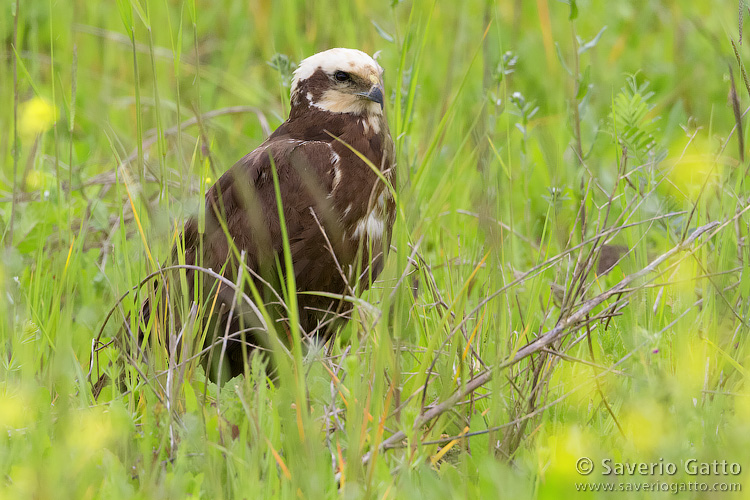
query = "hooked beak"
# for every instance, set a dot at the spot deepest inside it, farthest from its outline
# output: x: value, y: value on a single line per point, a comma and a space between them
x: 375, y: 94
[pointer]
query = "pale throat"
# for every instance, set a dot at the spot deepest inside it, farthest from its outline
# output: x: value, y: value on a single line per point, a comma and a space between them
x: 335, y: 101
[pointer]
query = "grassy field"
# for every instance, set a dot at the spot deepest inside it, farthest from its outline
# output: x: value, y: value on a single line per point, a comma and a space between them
x: 539, y: 143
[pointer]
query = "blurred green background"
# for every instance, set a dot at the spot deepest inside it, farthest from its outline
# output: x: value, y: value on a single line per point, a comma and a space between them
x: 536, y: 140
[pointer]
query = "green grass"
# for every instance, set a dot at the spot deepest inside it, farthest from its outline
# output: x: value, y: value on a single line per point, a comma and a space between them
x: 530, y: 141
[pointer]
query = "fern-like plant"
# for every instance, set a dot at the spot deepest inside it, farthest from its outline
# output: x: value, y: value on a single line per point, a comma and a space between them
x: 631, y: 121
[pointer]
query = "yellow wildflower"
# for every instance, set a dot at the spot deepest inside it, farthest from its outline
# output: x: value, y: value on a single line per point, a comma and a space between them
x: 36, y: 116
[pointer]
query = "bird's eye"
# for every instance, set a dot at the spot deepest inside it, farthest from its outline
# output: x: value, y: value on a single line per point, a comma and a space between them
x: 341, y: 76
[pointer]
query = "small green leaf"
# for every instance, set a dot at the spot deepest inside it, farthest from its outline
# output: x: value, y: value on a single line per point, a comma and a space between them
x: 591, y: 44
x: 583, y: 83
x: 141, y: 13
x: 562, y: 59
x: 192, y: 12
x: 126, y: 14
x: 383, y: 34
x: 22, y: 66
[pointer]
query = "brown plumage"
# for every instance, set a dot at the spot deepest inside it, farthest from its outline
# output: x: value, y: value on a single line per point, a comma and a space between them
x: 331, y: 199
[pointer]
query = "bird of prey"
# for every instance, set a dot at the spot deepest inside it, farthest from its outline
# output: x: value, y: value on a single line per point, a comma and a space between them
x: 332, y: 158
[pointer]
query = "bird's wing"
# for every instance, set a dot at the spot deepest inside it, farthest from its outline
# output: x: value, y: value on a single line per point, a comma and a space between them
x: 243, y: 205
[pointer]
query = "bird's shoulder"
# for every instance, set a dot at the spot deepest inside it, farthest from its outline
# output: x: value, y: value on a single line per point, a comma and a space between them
x: 293, y: 159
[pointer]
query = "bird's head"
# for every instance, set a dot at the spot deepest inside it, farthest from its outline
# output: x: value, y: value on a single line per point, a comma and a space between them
x: 339, y: 81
